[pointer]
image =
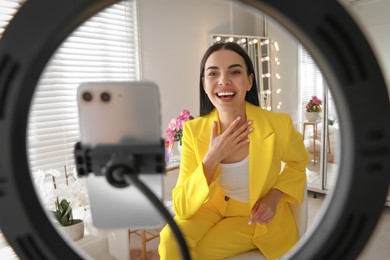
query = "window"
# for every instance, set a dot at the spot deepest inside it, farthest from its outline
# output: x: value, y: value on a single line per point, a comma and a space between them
x: 311, y: 82
x: 103, y: 48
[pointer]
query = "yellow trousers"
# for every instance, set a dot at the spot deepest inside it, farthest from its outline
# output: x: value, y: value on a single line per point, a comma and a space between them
x: 218, y: 230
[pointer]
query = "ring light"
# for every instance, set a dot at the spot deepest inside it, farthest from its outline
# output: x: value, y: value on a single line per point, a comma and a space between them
x: 323, y: 27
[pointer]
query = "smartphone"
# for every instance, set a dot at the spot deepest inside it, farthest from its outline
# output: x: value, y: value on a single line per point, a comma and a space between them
x: 119, y: 113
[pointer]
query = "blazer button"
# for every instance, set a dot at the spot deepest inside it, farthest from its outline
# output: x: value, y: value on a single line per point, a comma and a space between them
x: 226, y: 198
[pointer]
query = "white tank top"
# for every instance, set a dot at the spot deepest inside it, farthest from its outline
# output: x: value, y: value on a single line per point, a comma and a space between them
x: 234, y: 179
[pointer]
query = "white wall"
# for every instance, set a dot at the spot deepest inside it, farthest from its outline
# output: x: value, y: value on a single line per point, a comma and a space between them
x: 174, y: 35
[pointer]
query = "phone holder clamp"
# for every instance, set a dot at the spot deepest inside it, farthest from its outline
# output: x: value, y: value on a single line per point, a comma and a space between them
x: 113, y: 161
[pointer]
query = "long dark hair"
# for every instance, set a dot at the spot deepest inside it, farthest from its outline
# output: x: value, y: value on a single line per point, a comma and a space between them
x: 251, y: 96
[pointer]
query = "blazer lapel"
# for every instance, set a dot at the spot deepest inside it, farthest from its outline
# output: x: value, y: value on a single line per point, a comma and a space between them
x: 260, y: 152
x: 205, y: 133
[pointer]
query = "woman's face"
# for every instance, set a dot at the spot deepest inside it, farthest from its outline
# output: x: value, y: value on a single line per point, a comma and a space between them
x: 226, y: 80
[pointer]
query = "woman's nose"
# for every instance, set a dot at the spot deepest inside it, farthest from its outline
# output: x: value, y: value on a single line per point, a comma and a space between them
x: 224, y: 79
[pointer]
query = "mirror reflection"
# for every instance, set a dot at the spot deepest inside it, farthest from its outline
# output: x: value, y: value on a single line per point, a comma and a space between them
x: 135, y: 40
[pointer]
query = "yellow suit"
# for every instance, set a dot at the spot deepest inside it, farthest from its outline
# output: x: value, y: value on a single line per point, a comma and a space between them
x: 274, y: 140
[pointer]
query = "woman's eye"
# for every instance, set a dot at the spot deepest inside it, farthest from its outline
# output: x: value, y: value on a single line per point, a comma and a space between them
x: 212, y: 74
x: 235, y: 72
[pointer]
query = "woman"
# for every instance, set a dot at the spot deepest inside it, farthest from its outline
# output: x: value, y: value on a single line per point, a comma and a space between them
x: 231, y: 195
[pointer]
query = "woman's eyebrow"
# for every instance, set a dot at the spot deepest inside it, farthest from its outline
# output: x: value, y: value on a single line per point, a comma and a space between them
x: 212, y: 68
x: 235, y: 65
x: 217, y: 68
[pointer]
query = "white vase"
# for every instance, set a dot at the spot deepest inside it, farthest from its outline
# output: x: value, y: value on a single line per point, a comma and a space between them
x: 313, y: 116
x: 179, y: 147
x: 76, y: 231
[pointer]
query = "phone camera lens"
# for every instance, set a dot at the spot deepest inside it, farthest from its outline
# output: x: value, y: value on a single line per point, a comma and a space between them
x: 105, y: 97
x: 87, y: 96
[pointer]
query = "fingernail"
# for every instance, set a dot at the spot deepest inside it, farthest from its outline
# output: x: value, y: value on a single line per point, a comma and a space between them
x: 250, y: 129
x: 250, y: 122
x: 250, y: 221
x: 238, y: 118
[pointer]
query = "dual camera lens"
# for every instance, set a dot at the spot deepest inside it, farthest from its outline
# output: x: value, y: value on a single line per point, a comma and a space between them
x: 105, y: 96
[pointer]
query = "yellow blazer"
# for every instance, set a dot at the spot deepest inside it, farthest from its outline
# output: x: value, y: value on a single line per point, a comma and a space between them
x: 274, y: 140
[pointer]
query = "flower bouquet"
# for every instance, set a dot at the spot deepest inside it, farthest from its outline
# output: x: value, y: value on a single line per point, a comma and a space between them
x: 314, y: 105
x: 313, y: 109
x: 175, y: 126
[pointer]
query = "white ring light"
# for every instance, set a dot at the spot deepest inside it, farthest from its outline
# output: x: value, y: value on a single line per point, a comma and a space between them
x: 323, y: 27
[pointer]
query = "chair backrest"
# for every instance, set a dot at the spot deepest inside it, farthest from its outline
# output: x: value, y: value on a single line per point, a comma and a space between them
x: 300, y: 212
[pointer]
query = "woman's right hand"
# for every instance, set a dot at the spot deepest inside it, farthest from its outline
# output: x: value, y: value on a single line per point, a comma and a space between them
x: 224, y: 145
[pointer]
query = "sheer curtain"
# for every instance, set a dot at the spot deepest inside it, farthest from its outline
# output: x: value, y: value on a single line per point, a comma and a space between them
x: 103, y: 48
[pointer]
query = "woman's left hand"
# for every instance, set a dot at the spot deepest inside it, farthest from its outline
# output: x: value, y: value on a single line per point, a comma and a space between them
x: 264, y: 209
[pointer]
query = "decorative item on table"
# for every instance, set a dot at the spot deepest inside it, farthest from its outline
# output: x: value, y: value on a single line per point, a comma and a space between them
x: 65, y: 196
x: 313, y: 109
x: 175, y: 127
x: 168, y: 149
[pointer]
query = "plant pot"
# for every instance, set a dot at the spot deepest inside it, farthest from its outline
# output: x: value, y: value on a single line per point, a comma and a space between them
x: 76, y: 231
x: 313, y: 116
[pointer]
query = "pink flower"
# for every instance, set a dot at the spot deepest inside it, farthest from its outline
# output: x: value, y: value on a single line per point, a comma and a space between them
x: 175, y: 126
x: 171, y: 134
x: 316, y: 100
x: 314, y: 105
x: 184, y: 115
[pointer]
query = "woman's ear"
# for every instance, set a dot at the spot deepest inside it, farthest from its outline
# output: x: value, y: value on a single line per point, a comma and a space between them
x: 250, y: 79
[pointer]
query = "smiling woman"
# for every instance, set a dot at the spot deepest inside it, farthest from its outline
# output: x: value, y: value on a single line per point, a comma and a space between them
x: 226, y: 203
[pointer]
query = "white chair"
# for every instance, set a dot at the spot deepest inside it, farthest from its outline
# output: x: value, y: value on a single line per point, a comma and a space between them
x: 300, y: 213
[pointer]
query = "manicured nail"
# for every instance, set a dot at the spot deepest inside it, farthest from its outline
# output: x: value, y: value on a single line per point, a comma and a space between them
x: 250, y: 221
x: 250, y: 122
x: 238, y: 118
x: 250, y: 129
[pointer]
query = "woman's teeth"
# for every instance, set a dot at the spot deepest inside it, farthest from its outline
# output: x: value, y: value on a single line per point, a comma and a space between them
x: 225, y: 94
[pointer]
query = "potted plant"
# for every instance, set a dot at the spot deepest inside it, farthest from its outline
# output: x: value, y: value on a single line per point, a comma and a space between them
x: 313, y: 109
x: 175, y: 127
x: 65, y: 196
x: 74, y: 228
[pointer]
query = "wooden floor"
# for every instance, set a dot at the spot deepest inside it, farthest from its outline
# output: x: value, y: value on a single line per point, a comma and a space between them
x: 378, y: 247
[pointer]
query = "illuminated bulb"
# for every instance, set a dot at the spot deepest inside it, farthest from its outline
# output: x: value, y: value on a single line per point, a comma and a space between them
x: 268, y: 108
x: 231, y: 39
x: 278, y: 92
x: 278, y: 106
x: 265, y: 59
x: 254, y: 41
x: 264, y: 42
x: 268, y: 92
x: 276, y: 46
x: 278, y: 63
x: 276, y: 59
x: 277, y: 75
x: 217, y: 39
x: 266, y: 75
x: 243, y: 40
